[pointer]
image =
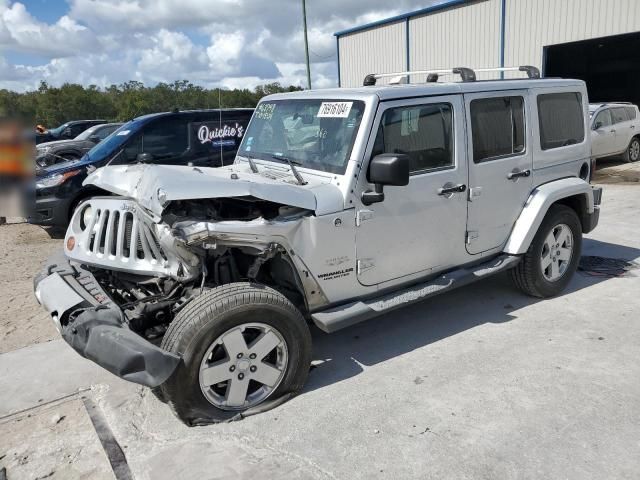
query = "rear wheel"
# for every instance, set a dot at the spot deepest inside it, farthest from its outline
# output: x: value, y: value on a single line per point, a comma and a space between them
x: 552, y: 258
x: 633, y: 151
x: 242, y: 346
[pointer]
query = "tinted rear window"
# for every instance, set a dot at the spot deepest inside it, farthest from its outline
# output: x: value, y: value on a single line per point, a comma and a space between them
x: 561, y: 119
x: 497, y: 127
x: 619, y: 114
x: 631, y: 113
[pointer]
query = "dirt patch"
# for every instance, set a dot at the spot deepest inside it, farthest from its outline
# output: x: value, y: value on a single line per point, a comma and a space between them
x: 609, y: 172
x: 23, y: 249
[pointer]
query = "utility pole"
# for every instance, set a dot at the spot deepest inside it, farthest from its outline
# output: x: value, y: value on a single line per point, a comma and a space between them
x: 306, y: 42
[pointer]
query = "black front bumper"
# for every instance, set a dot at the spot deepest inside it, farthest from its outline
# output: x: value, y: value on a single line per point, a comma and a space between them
x: 50, y: 209
x: 94, y: 326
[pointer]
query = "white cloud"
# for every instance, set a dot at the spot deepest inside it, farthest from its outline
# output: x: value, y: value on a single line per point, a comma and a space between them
x: 20, y: 31
x: 224, y: 49
x: 234, y: 43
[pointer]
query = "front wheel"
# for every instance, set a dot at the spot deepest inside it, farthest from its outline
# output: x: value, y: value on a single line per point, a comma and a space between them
x: 242, y: 345
x: 552, y: 258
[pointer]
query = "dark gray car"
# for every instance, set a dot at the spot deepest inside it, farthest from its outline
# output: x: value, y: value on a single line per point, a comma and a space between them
x: 51, y: 153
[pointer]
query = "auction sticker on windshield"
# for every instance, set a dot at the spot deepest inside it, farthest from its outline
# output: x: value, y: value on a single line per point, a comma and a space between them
x: 334, y: 109
x: 265, y: 111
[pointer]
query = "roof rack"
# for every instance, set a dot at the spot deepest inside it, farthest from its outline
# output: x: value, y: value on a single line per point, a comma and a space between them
x: 466, y: 74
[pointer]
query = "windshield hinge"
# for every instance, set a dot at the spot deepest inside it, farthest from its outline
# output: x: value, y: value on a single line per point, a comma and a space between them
x: 364, y: 265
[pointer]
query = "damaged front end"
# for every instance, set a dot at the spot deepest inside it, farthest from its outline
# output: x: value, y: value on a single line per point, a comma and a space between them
x: 95, y: 327
x: 128, y: 272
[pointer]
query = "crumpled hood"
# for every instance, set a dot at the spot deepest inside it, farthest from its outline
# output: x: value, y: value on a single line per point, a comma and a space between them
x: 142, y: 183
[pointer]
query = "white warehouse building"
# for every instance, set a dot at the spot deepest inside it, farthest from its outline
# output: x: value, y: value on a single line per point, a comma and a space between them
x: 594, y: 40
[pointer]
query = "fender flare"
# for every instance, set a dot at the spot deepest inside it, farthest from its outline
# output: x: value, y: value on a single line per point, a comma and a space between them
x: 537, y: 206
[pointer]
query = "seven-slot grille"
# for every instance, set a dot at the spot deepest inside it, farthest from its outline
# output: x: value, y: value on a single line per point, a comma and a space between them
x: 120, y: 233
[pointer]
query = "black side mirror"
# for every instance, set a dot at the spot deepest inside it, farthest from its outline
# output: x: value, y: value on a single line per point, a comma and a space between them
x: 386, y: 169
x: 144, y: 158
x: 597, y: 125
x: 95, y: 139
x: 66, y: 132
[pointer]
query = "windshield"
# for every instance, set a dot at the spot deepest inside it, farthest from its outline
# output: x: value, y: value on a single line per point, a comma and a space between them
x: 316, y: 134
x: 114, y: 141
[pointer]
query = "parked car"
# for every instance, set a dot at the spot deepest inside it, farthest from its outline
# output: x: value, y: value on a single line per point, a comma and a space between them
x: 203, y: 138
x: 66, y: 131
x: 615, y: 130
x: 60, y: 151
x: 341, y: 205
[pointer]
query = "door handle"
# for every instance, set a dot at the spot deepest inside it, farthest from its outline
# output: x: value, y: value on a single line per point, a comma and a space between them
x: 632, y: 126
x: 449, y: 189
x: 516, y: 175
x: 613, y: 130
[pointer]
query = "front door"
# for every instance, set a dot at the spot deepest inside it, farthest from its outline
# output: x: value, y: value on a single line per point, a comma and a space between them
x: 418, y: 228
x: 603, y: 138
x: 500, y: 166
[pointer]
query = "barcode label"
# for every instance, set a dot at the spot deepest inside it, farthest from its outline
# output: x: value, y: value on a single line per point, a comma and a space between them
x: 335, y: 109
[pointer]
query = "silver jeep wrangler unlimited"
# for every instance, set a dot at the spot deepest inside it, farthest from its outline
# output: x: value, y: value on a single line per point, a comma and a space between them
x: 341, y: 205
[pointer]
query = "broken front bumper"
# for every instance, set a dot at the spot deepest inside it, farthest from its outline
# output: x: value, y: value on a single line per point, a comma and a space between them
x: 94, y: 325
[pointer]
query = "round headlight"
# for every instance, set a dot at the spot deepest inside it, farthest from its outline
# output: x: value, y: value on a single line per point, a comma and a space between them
x: 86, y: 216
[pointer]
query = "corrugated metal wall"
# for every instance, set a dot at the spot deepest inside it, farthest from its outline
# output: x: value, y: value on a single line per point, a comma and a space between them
x: 534, y: 24
x: 380, y: 49
x: 466, y: 36
x: 470, y: 35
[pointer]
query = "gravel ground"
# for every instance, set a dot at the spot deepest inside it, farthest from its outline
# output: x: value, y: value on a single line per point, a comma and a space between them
x: 23, y: 322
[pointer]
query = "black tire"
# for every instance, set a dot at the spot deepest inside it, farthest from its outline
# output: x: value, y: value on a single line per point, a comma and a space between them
x: 633, y: 151
x: 528, y: 275
x: 208, y: 317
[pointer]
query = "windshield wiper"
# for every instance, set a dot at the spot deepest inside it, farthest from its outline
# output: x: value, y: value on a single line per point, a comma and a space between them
x: 252, y: 164
x: 292, y: 165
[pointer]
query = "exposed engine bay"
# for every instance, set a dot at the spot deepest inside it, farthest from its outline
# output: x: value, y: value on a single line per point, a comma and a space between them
x: 187, y: 233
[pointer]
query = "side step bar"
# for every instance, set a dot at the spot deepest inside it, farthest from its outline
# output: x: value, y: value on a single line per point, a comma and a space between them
x: 349, y: 314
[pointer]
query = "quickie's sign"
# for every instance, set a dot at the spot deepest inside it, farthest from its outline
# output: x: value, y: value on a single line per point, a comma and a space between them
x: 217, y: 136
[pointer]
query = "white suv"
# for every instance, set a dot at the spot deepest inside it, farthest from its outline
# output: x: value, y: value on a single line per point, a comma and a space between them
x: 615, y: 130
x: 341, y: 205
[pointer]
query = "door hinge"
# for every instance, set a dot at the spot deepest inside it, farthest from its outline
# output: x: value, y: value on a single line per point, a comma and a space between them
x: 363, y: 216
x: 472, y: 235
x: 364, y: 265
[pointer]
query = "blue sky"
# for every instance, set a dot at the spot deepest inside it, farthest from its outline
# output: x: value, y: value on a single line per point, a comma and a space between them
x: 231, y: 43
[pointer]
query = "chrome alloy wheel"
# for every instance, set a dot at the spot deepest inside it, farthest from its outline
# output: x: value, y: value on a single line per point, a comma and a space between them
x: 243, y: 366
x: 557, y: 251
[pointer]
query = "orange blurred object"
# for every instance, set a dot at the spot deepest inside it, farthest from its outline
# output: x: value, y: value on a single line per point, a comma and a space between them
x: 16, y: 153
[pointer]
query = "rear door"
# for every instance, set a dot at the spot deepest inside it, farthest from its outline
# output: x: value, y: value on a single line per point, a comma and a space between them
x: 634, y: 124
x: 216, y: 140
x: 622, y: 128
x: 500, y: 165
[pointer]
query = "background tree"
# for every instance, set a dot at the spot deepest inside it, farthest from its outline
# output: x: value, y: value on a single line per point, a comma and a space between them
x: 52, y: 106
